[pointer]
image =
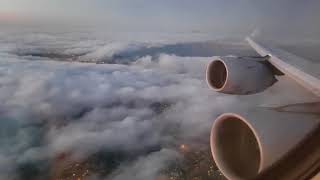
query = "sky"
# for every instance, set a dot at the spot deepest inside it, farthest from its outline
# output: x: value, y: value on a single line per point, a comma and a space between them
x: 72, y: 95
x: 173, y: 15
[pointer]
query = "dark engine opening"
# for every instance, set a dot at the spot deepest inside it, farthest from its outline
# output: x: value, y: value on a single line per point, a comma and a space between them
x: 217, y: 74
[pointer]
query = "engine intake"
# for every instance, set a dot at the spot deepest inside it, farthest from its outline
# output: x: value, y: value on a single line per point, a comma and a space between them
x: 245, y: 144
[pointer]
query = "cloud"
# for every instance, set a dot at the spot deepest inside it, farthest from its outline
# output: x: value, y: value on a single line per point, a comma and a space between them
x: 107, y: 52
x: 86, y: 108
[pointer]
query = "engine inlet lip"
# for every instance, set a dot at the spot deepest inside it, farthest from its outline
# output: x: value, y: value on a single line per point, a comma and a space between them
x: 208, y: 75
x: 220, y: 120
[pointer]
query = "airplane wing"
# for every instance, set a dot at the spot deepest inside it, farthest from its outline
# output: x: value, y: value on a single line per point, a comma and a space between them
x: 303, y: 162
x: 301, y: 70
x: 262, y: 143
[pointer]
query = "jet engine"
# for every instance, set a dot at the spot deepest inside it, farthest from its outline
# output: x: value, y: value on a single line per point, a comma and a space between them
x: 239, y: 75
x: 244, y: 144
x: 265, y: 143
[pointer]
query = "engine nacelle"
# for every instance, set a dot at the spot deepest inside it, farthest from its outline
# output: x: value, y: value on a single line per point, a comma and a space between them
x: 246, y: 144
x: 239, y: 75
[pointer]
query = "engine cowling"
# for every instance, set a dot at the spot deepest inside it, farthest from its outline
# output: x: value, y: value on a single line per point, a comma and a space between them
x: 244, y: 144
x: 239, y: 75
